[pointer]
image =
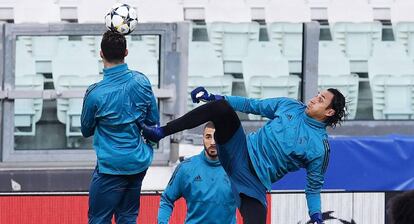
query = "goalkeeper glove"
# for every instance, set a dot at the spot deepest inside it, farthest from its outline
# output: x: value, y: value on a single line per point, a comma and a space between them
x: 201, y: 94
x: 316, y: 218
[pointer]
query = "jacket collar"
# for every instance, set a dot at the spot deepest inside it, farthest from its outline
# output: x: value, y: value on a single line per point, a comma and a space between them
x: 313, y: 122
x: 114, y: 70
x: 209, y: 161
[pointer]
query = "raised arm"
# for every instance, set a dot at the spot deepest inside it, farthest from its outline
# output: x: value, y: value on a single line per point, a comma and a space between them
x: 263, y: 107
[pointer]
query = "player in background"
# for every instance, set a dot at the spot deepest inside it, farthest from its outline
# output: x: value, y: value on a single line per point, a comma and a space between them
x: 204, y: 185
x: 294, y: 137
x: 401, y: 208
x: 111, y: 112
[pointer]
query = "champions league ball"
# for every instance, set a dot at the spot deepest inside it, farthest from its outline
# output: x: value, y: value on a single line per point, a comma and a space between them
x: 122, y: 19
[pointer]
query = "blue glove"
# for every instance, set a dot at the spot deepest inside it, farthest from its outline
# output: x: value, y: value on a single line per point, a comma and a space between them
x: 152, y: 133
x: 200, y: 94
x: 317, y: 218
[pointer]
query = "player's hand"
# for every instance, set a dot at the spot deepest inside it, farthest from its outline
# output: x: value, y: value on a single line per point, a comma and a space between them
x: 200, y: 94
x: 316, y: 218
x: 152, y: 134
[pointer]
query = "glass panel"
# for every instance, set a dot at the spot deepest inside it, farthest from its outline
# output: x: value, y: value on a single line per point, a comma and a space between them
x: 66, y: 63
x: 369, y: 63
x: 239, y: 60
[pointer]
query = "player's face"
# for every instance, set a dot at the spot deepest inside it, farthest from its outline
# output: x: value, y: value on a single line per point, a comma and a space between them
x: 319, y: 106
x: 209, y: 143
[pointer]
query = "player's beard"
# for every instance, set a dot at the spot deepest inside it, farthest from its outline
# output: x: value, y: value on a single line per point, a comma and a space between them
x: 210, y: 154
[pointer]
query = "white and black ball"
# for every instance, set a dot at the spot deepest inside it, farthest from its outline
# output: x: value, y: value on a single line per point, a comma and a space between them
x: 122, y: 19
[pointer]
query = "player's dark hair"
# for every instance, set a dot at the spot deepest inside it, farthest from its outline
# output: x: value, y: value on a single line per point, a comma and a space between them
x: 338, y: 104
x: 401, y: 208
x: 209, y: 124
x: 113, y: 46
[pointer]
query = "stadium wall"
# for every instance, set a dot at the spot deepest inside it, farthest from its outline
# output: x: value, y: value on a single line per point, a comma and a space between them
x: 284, y: 207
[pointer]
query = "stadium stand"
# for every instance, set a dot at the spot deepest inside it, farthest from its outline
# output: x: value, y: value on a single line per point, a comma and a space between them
x: 334, y: 72
x: 266, y: 73
x: 256, y: 44
x: 284, y: 21
x: 205, y: 68
x: 391, y: 75
x: 66, y: 76
x: 402, y: 18
x: 354, y: 29
x: 26, y: 111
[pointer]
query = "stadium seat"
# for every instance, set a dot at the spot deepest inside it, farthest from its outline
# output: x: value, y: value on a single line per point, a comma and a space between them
x: 319, y: 9
x: 140, y: 59
x: 69, y: 110
x: 26, y: 111
x: 353, y: 28
x: 285, y: 27
x: 34, y: 11
x: 288, y: 36
x: 86, y: 15
x: 381, y: 9
x: 266, y: 73
x: 166, y: 11
x: 205, y: 68
x: 74, y: 68
x: 391, y: 75
x: 257, y: 8
x: 232, y: 11
x: 293, y: 11
x: 230, y: 35
x: 402, y: 18
x: 334, y: 72
x: 230, y: 41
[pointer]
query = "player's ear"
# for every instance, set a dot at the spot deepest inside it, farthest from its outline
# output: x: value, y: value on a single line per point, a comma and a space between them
x: 329, y: 112
x: 101, y: 54
x: 126, y: 52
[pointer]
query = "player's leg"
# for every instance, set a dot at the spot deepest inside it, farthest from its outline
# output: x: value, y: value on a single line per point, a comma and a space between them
x: 219, y: 112
x: 104, y: 196
x: 128, y: 208
x: 249, y: 192
x: 252, y: 210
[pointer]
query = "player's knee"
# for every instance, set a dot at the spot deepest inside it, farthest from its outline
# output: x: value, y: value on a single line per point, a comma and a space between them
x: 222, y: 108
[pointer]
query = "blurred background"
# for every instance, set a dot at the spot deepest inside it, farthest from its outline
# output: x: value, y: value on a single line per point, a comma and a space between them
x: 49, y: 55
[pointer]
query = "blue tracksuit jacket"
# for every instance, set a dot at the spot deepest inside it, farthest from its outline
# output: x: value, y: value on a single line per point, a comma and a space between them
x: 290, y: 140
x: 111, y: 110
x: 206, y: 189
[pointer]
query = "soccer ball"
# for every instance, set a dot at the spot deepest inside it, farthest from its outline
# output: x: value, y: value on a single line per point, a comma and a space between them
x: 122, y: 19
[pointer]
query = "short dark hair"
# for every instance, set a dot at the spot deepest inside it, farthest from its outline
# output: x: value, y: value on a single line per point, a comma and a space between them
x: 209, y: 124
x: 113, y: 46
x: 401, y: 208
x: 338, y: 104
